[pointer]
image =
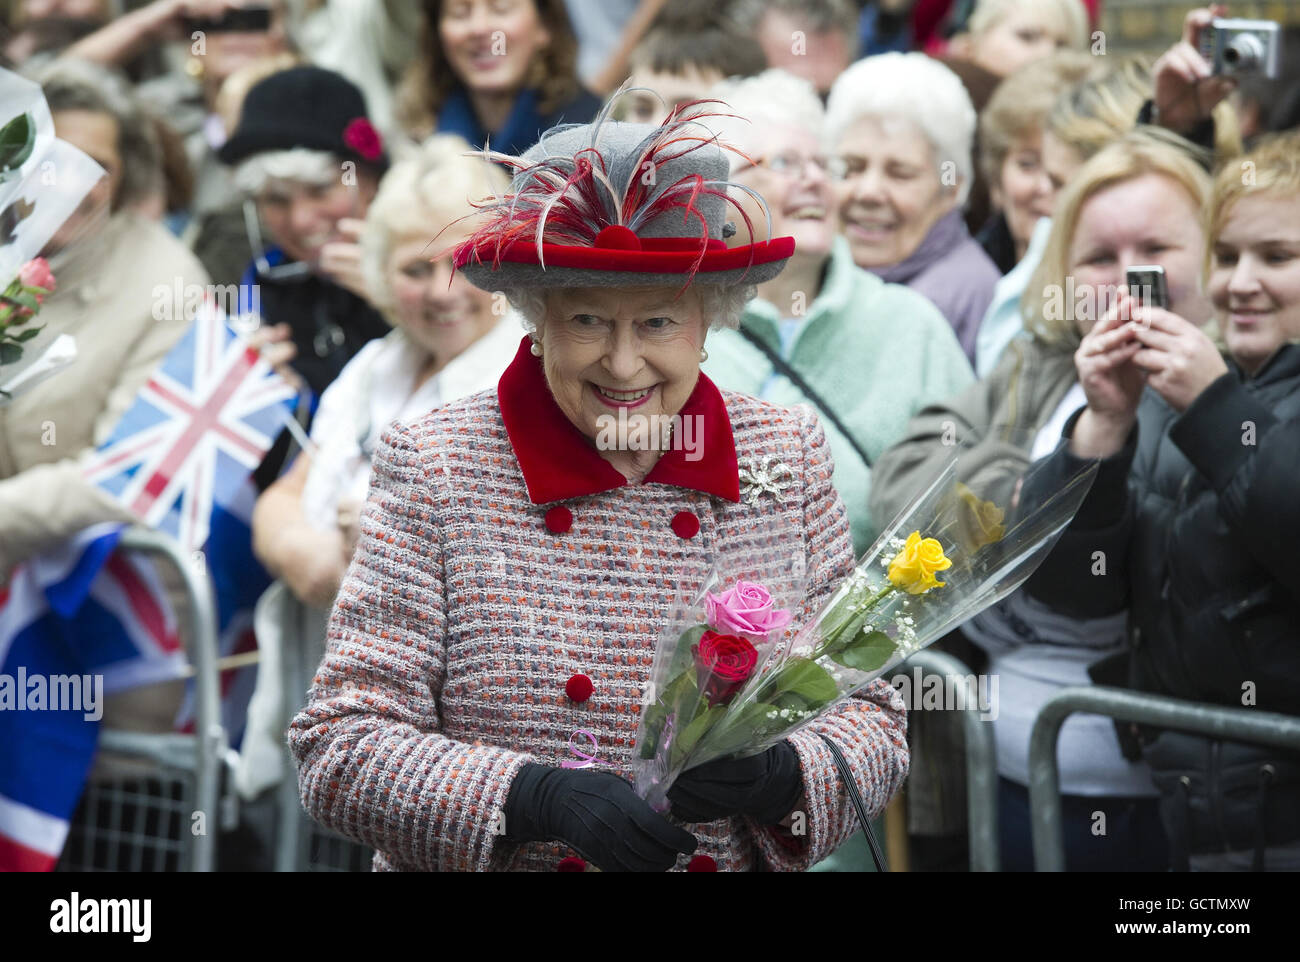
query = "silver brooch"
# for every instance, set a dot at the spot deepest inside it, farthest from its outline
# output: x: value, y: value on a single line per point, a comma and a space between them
x: 768, y: 476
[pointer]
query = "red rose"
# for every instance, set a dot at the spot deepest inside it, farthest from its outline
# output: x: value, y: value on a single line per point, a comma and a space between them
x: 361, y: 136
x: 724, y: 662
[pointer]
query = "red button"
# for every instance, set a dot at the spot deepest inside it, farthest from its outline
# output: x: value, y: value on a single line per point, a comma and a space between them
x: 685, y: 524
x: 559, y: 520
x: 571, y: 864
x: 579, y: 688
x: 701, y: 863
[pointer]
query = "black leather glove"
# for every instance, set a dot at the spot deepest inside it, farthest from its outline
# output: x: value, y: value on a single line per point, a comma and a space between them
x: 765, y: 787
x: 597, y: 814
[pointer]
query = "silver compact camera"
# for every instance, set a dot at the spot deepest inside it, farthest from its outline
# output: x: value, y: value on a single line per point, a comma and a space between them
x: 1235, y: 47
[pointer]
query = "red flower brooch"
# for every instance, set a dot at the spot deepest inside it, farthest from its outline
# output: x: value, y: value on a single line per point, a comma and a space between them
x: 360, y: 136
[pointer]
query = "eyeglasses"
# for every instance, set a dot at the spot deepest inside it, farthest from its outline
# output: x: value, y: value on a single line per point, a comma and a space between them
x: 791, y: 164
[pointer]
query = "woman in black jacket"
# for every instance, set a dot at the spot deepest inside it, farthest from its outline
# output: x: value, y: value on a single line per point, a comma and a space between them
x: 1193, y: 521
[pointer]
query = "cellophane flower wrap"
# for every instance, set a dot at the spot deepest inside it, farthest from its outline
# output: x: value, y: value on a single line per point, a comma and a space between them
x: 949, y: 555
x: 45, y: 202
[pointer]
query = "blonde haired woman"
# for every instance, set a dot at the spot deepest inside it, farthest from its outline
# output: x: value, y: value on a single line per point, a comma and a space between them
x: 1138, y: 201
x: 1194, y: 505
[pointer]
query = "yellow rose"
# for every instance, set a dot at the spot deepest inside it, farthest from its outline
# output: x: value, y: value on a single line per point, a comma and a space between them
x: 913, y: 568
x: 981, y: 523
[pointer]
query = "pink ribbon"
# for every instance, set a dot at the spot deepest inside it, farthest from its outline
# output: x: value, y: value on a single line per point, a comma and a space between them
x: 585, y: 761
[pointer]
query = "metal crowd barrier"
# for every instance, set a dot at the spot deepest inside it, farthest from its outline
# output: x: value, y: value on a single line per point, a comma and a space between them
x: 981, y: 757
x: 145, y: 823
x: 1229, y: 724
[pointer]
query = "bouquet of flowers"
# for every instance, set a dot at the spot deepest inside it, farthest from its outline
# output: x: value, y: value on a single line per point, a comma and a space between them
x: 44, y: 182
x: 732, y: 676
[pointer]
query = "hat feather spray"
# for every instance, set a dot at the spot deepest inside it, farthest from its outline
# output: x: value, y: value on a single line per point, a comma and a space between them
x: 611, y: 191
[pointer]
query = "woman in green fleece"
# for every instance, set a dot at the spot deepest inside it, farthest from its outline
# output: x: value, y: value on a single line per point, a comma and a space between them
x: 870, y: 354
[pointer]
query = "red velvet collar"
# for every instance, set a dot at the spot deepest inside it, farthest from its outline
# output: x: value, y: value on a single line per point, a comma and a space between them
x: 559, y: 462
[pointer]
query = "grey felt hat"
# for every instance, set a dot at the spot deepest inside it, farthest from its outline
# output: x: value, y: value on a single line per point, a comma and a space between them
x: 620, y: 205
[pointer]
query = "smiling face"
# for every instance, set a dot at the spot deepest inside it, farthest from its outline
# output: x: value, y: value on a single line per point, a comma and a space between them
x: 1146, y: 220
x: 606, y: 350
x: 791, y: 178
x: 442, y: 319
x: 490, y: 43
x: 1024, y: 190
x: 1254, y: 278
x: 891, y: 194
x: 303, y: 217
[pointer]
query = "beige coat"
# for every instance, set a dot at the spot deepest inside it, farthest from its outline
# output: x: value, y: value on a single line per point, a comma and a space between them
x: 105, y: 299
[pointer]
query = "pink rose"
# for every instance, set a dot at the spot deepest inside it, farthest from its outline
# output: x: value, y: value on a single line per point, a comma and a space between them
x: 746, y: 608
x: 36, y: 273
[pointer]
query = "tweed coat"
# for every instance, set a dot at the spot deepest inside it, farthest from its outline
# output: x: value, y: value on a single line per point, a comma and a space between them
x: 499, y: 556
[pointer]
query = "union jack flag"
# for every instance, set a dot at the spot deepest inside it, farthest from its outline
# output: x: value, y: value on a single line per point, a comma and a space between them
x: 194, y: 433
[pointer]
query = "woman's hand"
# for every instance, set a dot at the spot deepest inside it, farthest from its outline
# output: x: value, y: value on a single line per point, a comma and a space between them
x: 275, y: 344
x: 765, y: 787
x: 340, y: 260
x: 1185, y: 90
x: 1179, y: 360
x: 316, y: 565
x: 1111, y: 382
x: 597, y: 814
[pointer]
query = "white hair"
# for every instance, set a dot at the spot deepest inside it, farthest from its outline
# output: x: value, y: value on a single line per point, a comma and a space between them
x: 317, y: 167
x: 912, y: 87
x: 722, y: 305
x: 773, y: 98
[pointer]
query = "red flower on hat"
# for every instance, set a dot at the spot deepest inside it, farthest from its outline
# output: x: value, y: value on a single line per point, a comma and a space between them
x: 360, y: 136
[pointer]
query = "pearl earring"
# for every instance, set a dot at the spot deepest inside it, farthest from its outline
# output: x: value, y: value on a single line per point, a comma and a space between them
x: 704, y: 354
x: 536, y: 349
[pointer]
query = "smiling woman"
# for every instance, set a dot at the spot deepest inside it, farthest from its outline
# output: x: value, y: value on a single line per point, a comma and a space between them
x: 514, y: 570
x: 900, y: 128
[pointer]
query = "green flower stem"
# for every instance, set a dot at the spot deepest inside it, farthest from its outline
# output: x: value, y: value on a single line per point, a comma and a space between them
x: 831, y: 642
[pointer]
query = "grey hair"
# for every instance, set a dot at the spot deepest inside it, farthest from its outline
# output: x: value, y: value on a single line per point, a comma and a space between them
x: 724, y: 303
x: 912, y: 87
x: 70, y: 84
x: 318, y: 167
x: 773, y: 98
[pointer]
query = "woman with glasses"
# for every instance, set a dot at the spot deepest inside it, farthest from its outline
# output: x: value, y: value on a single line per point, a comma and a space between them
x: 900, y: 128
x: 865, y: 353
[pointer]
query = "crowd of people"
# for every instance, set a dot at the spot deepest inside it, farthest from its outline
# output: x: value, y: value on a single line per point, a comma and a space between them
x: 965, y: 189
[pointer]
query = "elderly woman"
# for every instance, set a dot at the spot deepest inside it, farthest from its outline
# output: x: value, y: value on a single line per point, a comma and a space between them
x: 824, y: 331
x: 1136, y: 202
x: 1194, y: 510
x: 521, y: 547
x: 899, y: 128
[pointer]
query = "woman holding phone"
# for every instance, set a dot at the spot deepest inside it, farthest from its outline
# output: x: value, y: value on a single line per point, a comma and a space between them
x: 1195, y: 514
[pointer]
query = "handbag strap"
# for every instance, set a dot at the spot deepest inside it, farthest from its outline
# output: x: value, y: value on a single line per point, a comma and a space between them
x: 859, y: 805
x: 794, y: 377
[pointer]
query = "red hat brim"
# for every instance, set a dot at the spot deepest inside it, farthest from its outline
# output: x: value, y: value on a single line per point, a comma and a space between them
x: 664, y: 260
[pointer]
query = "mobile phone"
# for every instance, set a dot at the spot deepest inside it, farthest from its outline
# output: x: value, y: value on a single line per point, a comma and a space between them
x: 234, y: 20
x: 1146, y: 282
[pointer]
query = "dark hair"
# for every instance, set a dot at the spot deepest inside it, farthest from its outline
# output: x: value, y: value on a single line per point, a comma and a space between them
x: 714, y: 43
x: 431, y: 80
